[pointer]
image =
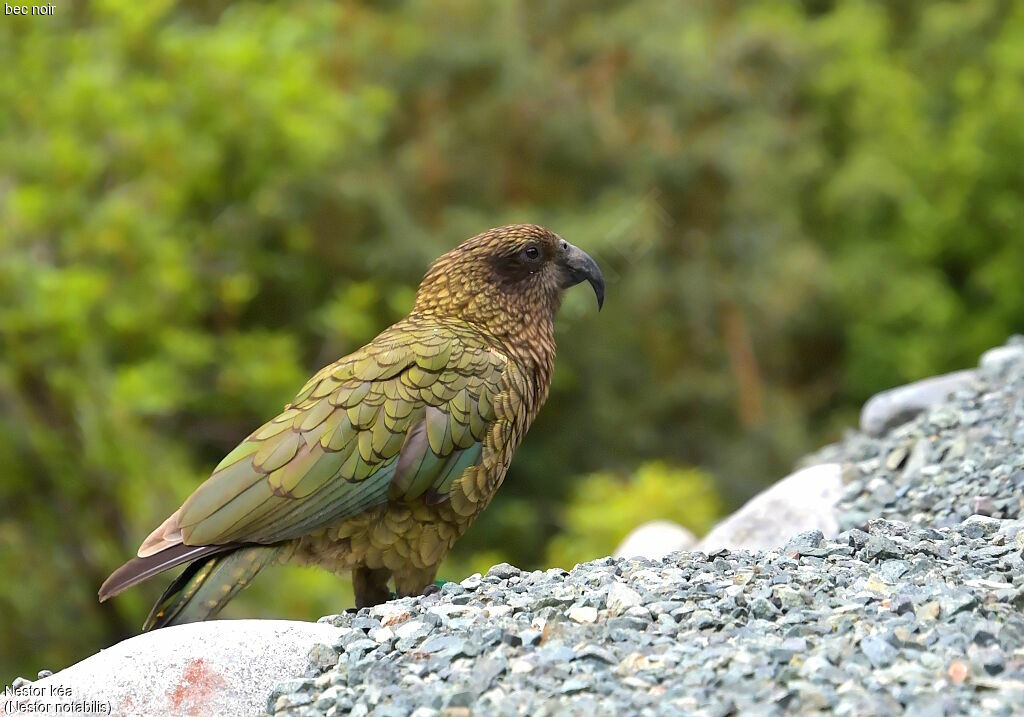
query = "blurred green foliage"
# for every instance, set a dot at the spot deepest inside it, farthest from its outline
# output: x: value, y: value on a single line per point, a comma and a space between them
x: 796, y: 204
x: 604, y: 508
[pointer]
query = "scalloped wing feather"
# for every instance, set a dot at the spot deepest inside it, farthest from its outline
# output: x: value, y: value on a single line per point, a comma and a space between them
x: 404, y: 415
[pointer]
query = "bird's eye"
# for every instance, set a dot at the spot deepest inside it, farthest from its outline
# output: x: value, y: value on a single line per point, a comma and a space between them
x: 531, y: 253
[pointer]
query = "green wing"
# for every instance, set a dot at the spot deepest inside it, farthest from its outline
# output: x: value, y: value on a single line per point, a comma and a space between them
x: 403, y: 417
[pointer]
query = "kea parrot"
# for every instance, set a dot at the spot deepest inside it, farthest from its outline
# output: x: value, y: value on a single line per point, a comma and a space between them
x: 385, y: 457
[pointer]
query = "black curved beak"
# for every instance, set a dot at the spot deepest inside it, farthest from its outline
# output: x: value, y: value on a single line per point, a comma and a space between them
x: 580, y: 267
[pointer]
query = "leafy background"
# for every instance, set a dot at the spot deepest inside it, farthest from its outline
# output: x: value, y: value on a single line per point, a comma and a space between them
x: 796, y: 205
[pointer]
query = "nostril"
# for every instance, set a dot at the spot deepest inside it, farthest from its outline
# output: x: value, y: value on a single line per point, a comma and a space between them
x: 565, y: 245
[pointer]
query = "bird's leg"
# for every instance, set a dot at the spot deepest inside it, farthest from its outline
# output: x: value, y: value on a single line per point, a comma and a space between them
x: 370, y: 585
x: 415, y: 581
x: 433, y: 589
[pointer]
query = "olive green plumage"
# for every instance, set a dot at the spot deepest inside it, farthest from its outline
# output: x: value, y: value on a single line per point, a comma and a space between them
x: 386, y: 456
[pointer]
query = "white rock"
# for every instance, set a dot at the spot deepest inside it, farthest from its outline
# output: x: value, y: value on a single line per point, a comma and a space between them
x: 896, y: 406
x: 520, y: 666
x: 445, y: 610
x: 655, y: 540
x: 1000, y: 357
x: 621, y: 597
x: 583, y: 615
x: 496, y: 611
x: 222, y: 667
x: 408, y: 629
x: 331, y: 693
x: 802, y: 501
x: 384, y: 634
x: 425, y: 712
x: 472, y: 582
x: 391, y: 613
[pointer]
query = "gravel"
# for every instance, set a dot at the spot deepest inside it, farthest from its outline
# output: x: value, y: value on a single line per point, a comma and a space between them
x: 916, y: 608
x: 961, y: 458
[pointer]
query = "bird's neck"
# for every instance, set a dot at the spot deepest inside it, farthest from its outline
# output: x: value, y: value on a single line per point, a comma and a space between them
x: 532, y: 344
x: 521, y: 325
x: 525, y: 337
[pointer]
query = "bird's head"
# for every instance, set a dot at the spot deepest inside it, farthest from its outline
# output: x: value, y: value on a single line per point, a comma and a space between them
x: 507, y: 275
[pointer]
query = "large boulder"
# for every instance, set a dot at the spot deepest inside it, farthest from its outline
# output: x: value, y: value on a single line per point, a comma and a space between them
x: 223, y: 668
x: 654, y: 540
x: 802, y: 501
x: 896, y: 406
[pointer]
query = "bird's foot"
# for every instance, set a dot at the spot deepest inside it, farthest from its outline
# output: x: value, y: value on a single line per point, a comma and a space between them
x: 434, y: 588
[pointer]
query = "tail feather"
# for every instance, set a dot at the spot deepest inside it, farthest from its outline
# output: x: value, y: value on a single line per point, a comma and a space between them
x: 138, y: 569
x: 208, y: 584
